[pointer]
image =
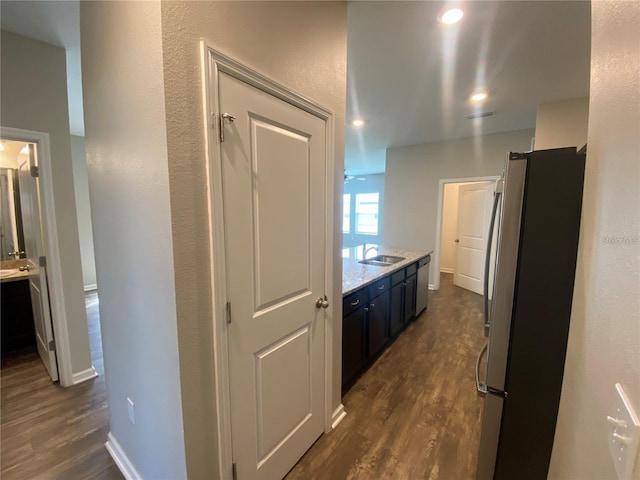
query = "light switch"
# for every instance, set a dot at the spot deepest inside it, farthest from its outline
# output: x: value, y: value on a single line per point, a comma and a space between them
x: 623, y: 434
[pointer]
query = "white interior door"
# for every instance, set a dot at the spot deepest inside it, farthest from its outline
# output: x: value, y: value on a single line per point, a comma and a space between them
x: 273, y: 167
x: 474, y: 215
x: 34, y: 249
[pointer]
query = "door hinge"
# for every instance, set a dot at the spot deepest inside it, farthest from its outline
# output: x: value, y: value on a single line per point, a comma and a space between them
x: 35, y: 171
x: 42, y: 261
x: 228, y: 312
x: 234, y: 471
x: 52, y: 345
x: 221, y: 119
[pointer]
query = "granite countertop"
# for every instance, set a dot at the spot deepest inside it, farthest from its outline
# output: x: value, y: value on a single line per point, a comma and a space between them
x: 356, y: 275
x: 14, y: 265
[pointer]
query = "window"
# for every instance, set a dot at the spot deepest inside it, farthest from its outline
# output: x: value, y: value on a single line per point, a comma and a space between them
x: 346, y: 213
x: 367, y: 213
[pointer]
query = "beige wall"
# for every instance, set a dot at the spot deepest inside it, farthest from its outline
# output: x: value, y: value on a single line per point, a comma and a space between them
x: 604, y: 339
x: 562, y: 123
x: 412, y: 176
x: 126, y: 145
x: 83, y: 207
x: 449, y: 228
x: 299, y: 44
x: 34, y: 97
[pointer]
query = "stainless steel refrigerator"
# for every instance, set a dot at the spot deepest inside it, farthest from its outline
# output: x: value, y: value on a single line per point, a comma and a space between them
x: 536, y: 220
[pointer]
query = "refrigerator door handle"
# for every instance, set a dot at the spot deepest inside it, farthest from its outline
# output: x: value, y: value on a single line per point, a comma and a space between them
x: 487, y: 260
x: 481, y: 387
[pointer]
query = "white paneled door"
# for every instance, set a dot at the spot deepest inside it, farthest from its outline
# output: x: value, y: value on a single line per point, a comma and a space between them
x: 273, y: 169
x: 474, y: 215
x: 34, y: 249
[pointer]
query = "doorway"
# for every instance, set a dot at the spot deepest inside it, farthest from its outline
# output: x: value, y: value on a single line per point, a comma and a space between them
x: 272, y: 164
x: 464, y: 213
x: 39, y: 256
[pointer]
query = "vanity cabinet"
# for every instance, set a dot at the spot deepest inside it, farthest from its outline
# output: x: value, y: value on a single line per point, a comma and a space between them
x: 372, y: 316
x: 18, y: 330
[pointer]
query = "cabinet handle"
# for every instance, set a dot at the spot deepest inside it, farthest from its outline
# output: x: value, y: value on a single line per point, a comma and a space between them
x: 381, y: 287
x: 366, y: 309
x: 353, y: 304
x: 372, y: 305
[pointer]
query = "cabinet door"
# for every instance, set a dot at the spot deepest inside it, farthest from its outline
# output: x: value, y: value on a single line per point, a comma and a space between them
x: 354, y: 353
x: 378, y: 324
x: 396, y: 315
x: 410, y: 298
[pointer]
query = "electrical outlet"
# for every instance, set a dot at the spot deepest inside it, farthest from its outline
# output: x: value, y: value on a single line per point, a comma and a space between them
x: 623, y: 434
x: 130, y: 409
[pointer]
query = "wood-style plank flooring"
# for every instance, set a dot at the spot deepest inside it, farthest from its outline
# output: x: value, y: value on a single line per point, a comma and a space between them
x: 50, y: 432
x: 415, y: 413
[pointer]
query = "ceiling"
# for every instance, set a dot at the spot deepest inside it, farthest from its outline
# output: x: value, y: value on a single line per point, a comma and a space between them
x: 409, y: 76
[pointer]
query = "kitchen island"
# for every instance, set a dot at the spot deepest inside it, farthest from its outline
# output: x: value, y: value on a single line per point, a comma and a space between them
x: 379, y: 302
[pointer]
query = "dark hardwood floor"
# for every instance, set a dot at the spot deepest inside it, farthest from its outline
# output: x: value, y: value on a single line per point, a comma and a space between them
x: 414, y: 414
x: 52, y: 432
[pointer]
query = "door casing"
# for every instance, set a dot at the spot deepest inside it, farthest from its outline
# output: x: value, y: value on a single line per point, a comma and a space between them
x: 214, y: 62
x: 54, y: 268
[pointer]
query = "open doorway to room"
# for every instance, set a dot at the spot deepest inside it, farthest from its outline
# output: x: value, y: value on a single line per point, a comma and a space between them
x: 464, y: 215
x: 37, y: 256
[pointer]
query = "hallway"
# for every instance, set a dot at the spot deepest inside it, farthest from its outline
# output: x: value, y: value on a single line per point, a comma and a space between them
x: 415, y: 413
x: 53, y: 432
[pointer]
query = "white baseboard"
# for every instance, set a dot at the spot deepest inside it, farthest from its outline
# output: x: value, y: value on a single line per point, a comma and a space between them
x: 446, y: 270
x: 432, y: 286
x: 91, y: 288
x: 338, y: 414
x: 121, y: 460
x: 84, y: 375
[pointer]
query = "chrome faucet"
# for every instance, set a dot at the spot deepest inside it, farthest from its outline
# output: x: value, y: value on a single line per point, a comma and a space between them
x: 365, y: 250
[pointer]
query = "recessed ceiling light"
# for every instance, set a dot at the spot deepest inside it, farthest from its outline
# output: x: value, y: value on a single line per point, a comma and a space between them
x: 358, y: 122
x: 25, y: 150
x: 479, y: 96
x: 451, y: 16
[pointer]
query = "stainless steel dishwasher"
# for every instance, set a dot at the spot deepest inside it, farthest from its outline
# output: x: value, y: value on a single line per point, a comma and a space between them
x: 423, y: 284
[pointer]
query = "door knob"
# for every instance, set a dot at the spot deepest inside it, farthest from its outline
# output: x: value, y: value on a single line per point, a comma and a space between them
x: 322, y: 302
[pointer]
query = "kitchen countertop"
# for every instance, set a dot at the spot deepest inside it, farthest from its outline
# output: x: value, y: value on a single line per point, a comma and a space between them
x: 14, y: 265
x: 356, y: 275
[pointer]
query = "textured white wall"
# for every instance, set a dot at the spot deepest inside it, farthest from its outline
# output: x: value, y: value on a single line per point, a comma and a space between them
x: 83, y: 207
x: 299, y: 44
x: 34, y: 97
x: 604, y: 339
x: 412, y: 176
x: 562, y: 124
x: 127, y: 162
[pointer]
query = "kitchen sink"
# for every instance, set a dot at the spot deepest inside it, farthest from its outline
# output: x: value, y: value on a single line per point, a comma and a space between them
x: 388, y: 259
x: 382, y: 260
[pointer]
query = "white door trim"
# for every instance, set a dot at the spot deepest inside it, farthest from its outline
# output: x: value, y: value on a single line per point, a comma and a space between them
x: 48, y: 211
x: 214, y: 62
x: 441, y: 184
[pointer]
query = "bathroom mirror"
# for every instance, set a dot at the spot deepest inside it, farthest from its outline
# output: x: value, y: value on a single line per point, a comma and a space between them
x: 11, y: 233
